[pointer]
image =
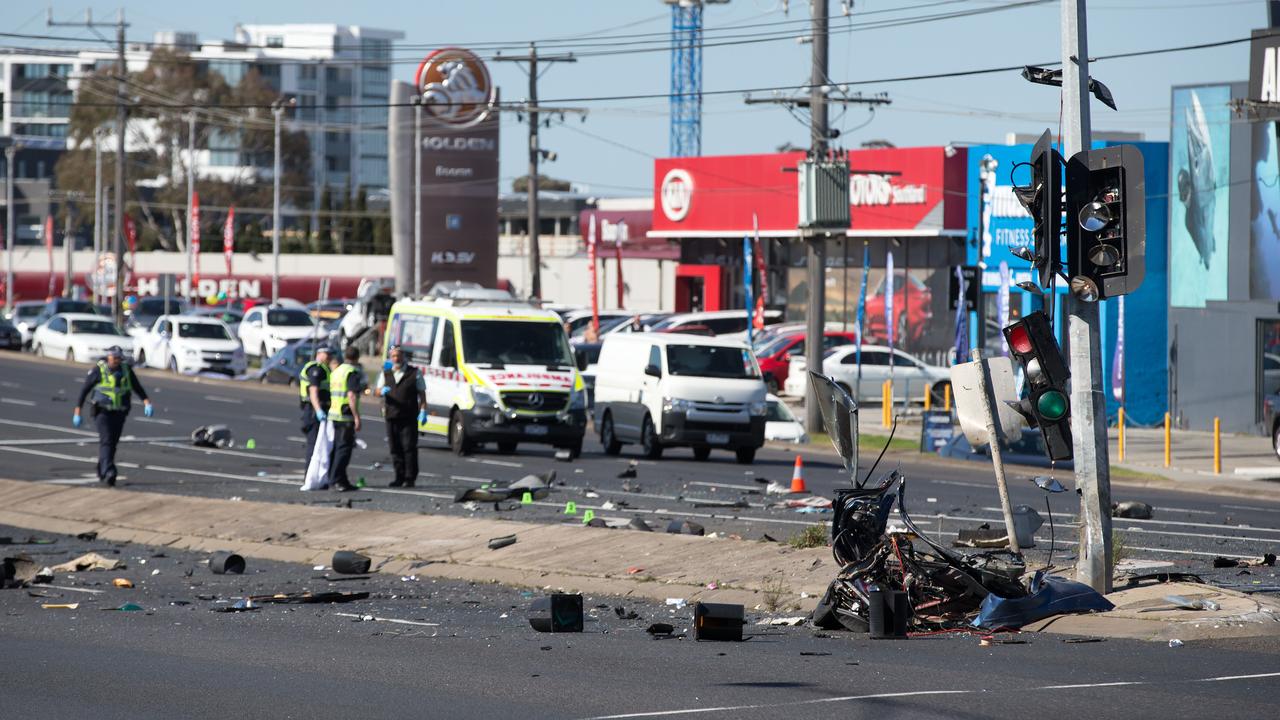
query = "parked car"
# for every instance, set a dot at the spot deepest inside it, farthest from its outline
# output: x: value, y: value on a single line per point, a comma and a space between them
x: 577, y: 321
x: 1271, y: 420
x: 285, y: 365
x: 721, y: 322
x: 10, y: 336
x: 781, y: 424
x: 148, y: 309
x: 702, y: 330
x: 24, y: 318
x: 190, y: 344
x: 775, y: 357
x: 329, y: 313
x: 912, y: 309
x: 225, y: 313
x: 267, y: 328
x: 663, y: 390
x: 1027, y: 450
x: 65, y: 305
x: 81, y: 337
x: 910, y: 375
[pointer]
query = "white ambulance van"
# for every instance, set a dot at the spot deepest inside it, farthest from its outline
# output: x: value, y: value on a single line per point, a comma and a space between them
x: 662, y: 390
x: 497, y: 371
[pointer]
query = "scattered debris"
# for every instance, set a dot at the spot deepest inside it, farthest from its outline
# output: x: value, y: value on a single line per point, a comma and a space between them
x: 1132, y: 509
x: 630, y: 471
x: 350, y: 563
x: 60, y: 606
x: 718, y: 621
x: 660, y: 629
x: 783, y: 621
x: 685, y: 527
x: 88, y: 561
x: 1048, y: 484
x: 814, y: 653
x: 815, y: 502
x: 243, y: 605
x: 677, y: 603
x: 981, y: 538
x: 224, y: 561
x: 639, y: 524
x: 1268, y: 559
x: 1074, y: 640
x: 127, y: 607
x: 212, y: 436
x: 559, y: 612
x: 1182, y: 602
x: 1176, y: 643
x: 122, y: 583
x: 374, y: 618
x: 501, y: 542
x: 625, y: 614
x: 87, y: 536
x: 307, y: 598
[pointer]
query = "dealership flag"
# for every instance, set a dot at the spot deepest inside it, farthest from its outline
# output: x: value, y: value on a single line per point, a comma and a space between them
x: 888, y: 304
x: 591, y: 265
x: 621, y: 230
x: 229, y: 237
x: 131, y: 236
x: 194, y: 281
x: 1002, y: 303
x: 962, y: 322
x: 747, y: 282
x: 762, y: 271
x: 862, y: 304
x: 1117, y: 361
x: 48, y: 243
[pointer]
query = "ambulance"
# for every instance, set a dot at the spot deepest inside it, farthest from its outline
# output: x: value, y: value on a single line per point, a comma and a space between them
x: 497, y: 371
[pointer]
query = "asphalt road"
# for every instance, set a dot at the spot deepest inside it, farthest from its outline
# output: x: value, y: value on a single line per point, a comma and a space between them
x: 38, y: 444
x: 465, y: 650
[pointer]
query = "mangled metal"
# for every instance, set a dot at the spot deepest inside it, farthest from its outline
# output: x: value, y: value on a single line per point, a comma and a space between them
x: 944, y: 589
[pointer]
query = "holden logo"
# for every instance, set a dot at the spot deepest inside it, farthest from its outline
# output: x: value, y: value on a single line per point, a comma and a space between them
x: 676, y: 192
x: 535, y: 400
x: 455, y: 86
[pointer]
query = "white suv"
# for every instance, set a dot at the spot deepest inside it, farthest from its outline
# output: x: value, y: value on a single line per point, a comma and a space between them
x: 190, y: 344
x: 267, y: 328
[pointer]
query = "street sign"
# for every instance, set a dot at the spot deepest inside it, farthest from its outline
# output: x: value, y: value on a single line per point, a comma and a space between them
x: 972, y: 287
x: 936, y: 430
x: 966, y: 385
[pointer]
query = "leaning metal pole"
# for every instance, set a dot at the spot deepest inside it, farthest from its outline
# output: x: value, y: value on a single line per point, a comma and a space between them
x: 1089, y: 409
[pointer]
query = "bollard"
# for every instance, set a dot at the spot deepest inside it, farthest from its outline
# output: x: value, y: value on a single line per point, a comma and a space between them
x: 1217, y: 446
x: 1168, y: 439
x: 886, y: 403
x: 928, y: 397
x: 946, y: 397
x: 1120, y: 425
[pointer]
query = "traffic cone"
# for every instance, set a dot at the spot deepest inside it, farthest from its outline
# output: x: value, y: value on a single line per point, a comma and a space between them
x: 527, y: 498
x: 797, y: 477
x: 570, y: 508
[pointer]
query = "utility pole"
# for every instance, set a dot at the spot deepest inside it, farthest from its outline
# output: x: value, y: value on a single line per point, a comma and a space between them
x: 416, y: 101
x: 277, y: 109
x: 535, y: 154
x: 97, y: 206
x: 122, y: 124
x: 191, y: 191
x: 1089, y: 429
x: 10, y: 151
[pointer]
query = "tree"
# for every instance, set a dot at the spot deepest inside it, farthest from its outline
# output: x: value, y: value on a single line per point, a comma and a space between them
x: 521, y: 184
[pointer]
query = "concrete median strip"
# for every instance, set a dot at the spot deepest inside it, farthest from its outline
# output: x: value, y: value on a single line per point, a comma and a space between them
x: 572, y: 557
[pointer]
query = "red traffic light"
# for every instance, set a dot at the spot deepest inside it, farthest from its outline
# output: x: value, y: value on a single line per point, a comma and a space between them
x: 1019, y: 339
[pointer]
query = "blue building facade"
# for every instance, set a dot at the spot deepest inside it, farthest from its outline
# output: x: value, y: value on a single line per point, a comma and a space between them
x: 997, y: 223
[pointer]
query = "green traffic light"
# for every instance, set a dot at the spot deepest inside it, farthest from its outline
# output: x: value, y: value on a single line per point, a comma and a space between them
x: 1052, y: 405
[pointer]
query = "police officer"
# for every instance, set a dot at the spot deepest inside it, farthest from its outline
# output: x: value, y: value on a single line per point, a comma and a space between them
x: 346, y: 383
x: 404, y: 406
x: 112, y: 383
x: 313, y: 386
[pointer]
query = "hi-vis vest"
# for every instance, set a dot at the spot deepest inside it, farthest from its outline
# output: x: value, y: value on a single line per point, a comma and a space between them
x: 304, y: 385
x: 110, y: 395
x: 339, y: 411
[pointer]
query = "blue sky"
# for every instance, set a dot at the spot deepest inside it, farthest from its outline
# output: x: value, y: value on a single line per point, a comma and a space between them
x: 611, y: 152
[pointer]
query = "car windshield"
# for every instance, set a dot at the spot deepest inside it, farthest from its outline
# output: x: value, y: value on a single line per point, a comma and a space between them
x: 514, y: 342
x: 157, y: 306
x: 711, y: 361
x: 203, y: 331
x: 779, y: 413
x: 773, y: 346
x: 76, y: 306
x: 93, y: 327
x: 288, y: 317
x: 27, y: 311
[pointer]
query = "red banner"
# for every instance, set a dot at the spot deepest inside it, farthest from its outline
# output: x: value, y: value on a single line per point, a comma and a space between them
x: 48, y: 243
x: 591, y: 266
x: 229, y: 237
x: 195, y: 239
x: 131, y: 236
x: 617, y: 253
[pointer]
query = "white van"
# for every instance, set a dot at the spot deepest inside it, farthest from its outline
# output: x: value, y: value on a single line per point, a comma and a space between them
x: 496, y: 371
x: 662, y: 390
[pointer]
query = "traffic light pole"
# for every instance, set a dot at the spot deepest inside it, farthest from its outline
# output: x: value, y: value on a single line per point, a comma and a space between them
x: 816, y: 260
x: 1089, y: 413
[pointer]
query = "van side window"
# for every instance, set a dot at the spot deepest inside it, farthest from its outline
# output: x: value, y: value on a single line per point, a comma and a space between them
x: 416, y: 335
x: 655, y: 356
x: 448, y: 347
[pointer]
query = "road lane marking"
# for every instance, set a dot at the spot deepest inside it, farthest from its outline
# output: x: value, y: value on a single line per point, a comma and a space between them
x: 1179, y: 523
x: 221, y: 451
x: 60, y: 456
x: 230, y: 401
x: 388, y: 620
x: 1193, y: 552
x: 71, y: 481
x: 1135, y: 530
x: 55, y: 428
x: 501, y: 463
x: 268, y: 418
x: 15, y: 401
x: 961, y: 484
x: 292, y: 481
x: 157, y: 421
x: 757, y: 487
x: 1252, y: 507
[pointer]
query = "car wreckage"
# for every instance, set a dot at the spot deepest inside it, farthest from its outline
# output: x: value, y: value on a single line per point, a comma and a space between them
x: 944, y: 589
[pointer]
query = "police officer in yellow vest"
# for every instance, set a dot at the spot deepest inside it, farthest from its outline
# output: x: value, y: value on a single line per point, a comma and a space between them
x: 313, y: 387
x: 112, y: 383
x: 345, y: 385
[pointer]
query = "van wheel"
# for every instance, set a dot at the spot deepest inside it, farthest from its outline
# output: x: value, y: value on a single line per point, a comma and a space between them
x: 458, y: 441
x: 71, y: 355
x: 38, y: 349
x: 1275, y: 440
x: 142, y: 358
x: 746, y: 456
x: 649, y: 442
x: 701, y: 452
x: 506, y: 447
x: 173, y: 365
x: 608, y: 438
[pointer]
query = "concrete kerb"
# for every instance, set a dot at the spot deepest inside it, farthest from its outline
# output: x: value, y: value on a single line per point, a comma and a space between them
x: 568, y: 557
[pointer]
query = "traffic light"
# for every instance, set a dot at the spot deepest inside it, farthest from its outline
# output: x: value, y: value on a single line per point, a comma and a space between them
x: 1046, y: 406
x: 1106, y: 222
x: 1043, y: 199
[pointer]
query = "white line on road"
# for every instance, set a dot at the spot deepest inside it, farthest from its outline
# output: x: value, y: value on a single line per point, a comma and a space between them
x: 60, y: 456
x: 388, y: 620
x: 1252, y: 507
x: 1179, y: 523
x: 1192, y: 552
x: 71, y: 481
x: 727, y: 485
x: 231, y: 401
x: 961, y: 484
x: 55, y: 428
x: 215, y: 451
x: 268, y: 418
x: 157, y: 421
x: 501, y: 463
x: 15, y: 401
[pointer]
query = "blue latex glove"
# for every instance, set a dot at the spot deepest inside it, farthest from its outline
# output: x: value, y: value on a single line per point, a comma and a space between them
x: 386, y: 365
x: 76, y: 421
x: 321, y: 416
x: 148, y: 409
x: 422, y: 417
x: 386, y: 390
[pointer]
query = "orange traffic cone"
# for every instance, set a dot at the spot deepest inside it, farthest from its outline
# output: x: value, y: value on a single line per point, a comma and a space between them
x: 797, y: 477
